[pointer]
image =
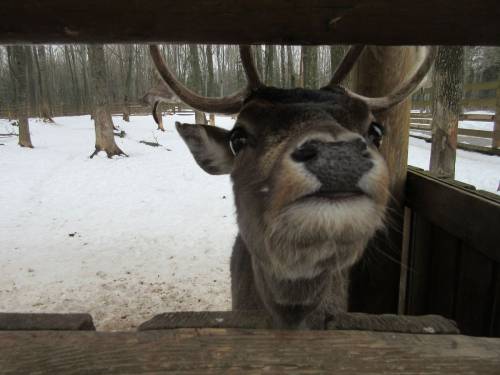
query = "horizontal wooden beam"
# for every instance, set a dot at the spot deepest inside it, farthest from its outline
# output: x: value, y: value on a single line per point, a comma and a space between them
x: 216, y: 351
x: 46, y: 322
x: 384, y: 22
x: 467, y: 215
x: 260, y: 320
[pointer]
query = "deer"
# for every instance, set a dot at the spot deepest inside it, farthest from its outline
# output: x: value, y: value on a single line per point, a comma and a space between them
x: 310, y: 185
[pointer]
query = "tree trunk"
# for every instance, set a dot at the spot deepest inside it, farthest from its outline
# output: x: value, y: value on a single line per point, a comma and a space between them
x: 258, y: 59
x: 105, y: 140
x: 211, y: 90
x: 448, y: 90
x: 128, y: 83
x: 32, y: 88
x: 291, y: 74
x: 310, y: 67
x: 283, y: 66
x: 74, y: 80
x: 19, y: 69
x: 199, y: 118
x: 41, y: 63
x: 269, y: 67
x: 379, y: 71
x: 336, y: 55
x: 195, y: 79
x: 496, y: 129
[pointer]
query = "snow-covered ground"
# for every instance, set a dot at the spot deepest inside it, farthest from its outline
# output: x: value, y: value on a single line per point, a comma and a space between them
x: 123, y: 239
x: 127, y: 238
x: 482, y: 171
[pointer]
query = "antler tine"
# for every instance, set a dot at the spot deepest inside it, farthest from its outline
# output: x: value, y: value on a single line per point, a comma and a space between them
x: 406, y: 88
x: 228, y: 105
x: 345, y: 65
x: 248, y: 62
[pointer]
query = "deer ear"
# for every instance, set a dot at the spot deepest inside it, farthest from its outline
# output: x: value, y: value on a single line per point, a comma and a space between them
x: 209, y: 146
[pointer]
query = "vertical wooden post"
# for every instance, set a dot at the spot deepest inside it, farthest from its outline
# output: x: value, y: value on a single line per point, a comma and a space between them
x: 496, y: 130
x: 375, y: 280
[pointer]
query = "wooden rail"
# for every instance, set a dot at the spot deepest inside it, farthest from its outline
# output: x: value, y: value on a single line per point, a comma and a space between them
x: 380, y: 22
x: 236, y: 351
x: 423, y: 121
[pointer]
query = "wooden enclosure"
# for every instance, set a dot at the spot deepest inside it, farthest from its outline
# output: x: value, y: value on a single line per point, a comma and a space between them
x: 488, y: 142
x: 451, y: 258
x: 383, y: 22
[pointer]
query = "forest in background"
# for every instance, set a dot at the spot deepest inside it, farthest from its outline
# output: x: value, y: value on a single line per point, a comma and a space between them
x: 59, y: 75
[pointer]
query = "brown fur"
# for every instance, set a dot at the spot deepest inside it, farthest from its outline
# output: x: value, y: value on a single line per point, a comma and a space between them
x: 292, y: 255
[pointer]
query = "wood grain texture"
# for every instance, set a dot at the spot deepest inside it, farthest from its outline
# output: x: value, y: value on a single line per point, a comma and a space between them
x: 474, y: 292
x: 469, y: 216
x: 382, y: 22
x: 208, y: 319
x: 260, y: 320
x: 56, y: 322
x: 215, y: 351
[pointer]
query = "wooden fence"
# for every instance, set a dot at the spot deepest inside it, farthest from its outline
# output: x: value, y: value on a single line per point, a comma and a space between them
x: 451, y: 257
x: 477, y: 96
x: 423, y: 121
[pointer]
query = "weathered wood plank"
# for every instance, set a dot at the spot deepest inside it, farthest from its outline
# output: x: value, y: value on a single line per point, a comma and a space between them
x: 474, y: 293
x: 208, y: 319
x: 56, y: 322
x: 418, y: 266
x: 460, y: 212
x: 443, y: 273
x: 430, y: 324
x: 215, y: 351
x: 494, y: 329
x: 260, y: 320
x: 382, y: 22
x: 461, y: 131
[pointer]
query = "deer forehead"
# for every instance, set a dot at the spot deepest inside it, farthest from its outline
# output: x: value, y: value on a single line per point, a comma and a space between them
x: 278, y: 114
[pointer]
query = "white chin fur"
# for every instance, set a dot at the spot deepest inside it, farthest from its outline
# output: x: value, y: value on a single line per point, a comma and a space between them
x: 312, y: 231
x: 343, y: 221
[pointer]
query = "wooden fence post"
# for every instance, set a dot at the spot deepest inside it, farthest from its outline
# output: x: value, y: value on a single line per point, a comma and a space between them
x: 375, y: 279
x: 496, y: 130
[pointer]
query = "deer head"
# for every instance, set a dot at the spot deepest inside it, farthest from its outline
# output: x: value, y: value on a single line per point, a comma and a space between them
x: 310, y: 186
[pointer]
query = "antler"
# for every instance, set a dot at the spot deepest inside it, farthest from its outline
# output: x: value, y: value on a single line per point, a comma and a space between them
x: 229, y: 104
x: 406, y: 88
x: 345, y: 65
x: 233, y: 103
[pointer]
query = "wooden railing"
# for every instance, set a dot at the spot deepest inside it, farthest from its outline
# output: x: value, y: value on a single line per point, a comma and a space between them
x: 423, y: 121
x: 477, y: 95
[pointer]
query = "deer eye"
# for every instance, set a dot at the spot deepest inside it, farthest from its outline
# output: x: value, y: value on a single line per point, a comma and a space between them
x: 238, y: 140
x: 375, y: 133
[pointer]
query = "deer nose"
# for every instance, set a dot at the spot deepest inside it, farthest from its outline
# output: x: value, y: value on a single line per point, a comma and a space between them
x: 311, y: 149
x: 337, y: 165
x: 305, y: 152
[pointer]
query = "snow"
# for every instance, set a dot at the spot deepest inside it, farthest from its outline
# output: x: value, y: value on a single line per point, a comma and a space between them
x: 127, y: 238
x: 482, y: 171
x: 477, y: 125
x: 152, y: 232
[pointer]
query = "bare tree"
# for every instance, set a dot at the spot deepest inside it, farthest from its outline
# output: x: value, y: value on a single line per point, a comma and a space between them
x: 105, y: 140
x: 447, y: 95
x: 17, y: 56
x: 41, y: 63
x: 310, y: 67
x: 129, y: 54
